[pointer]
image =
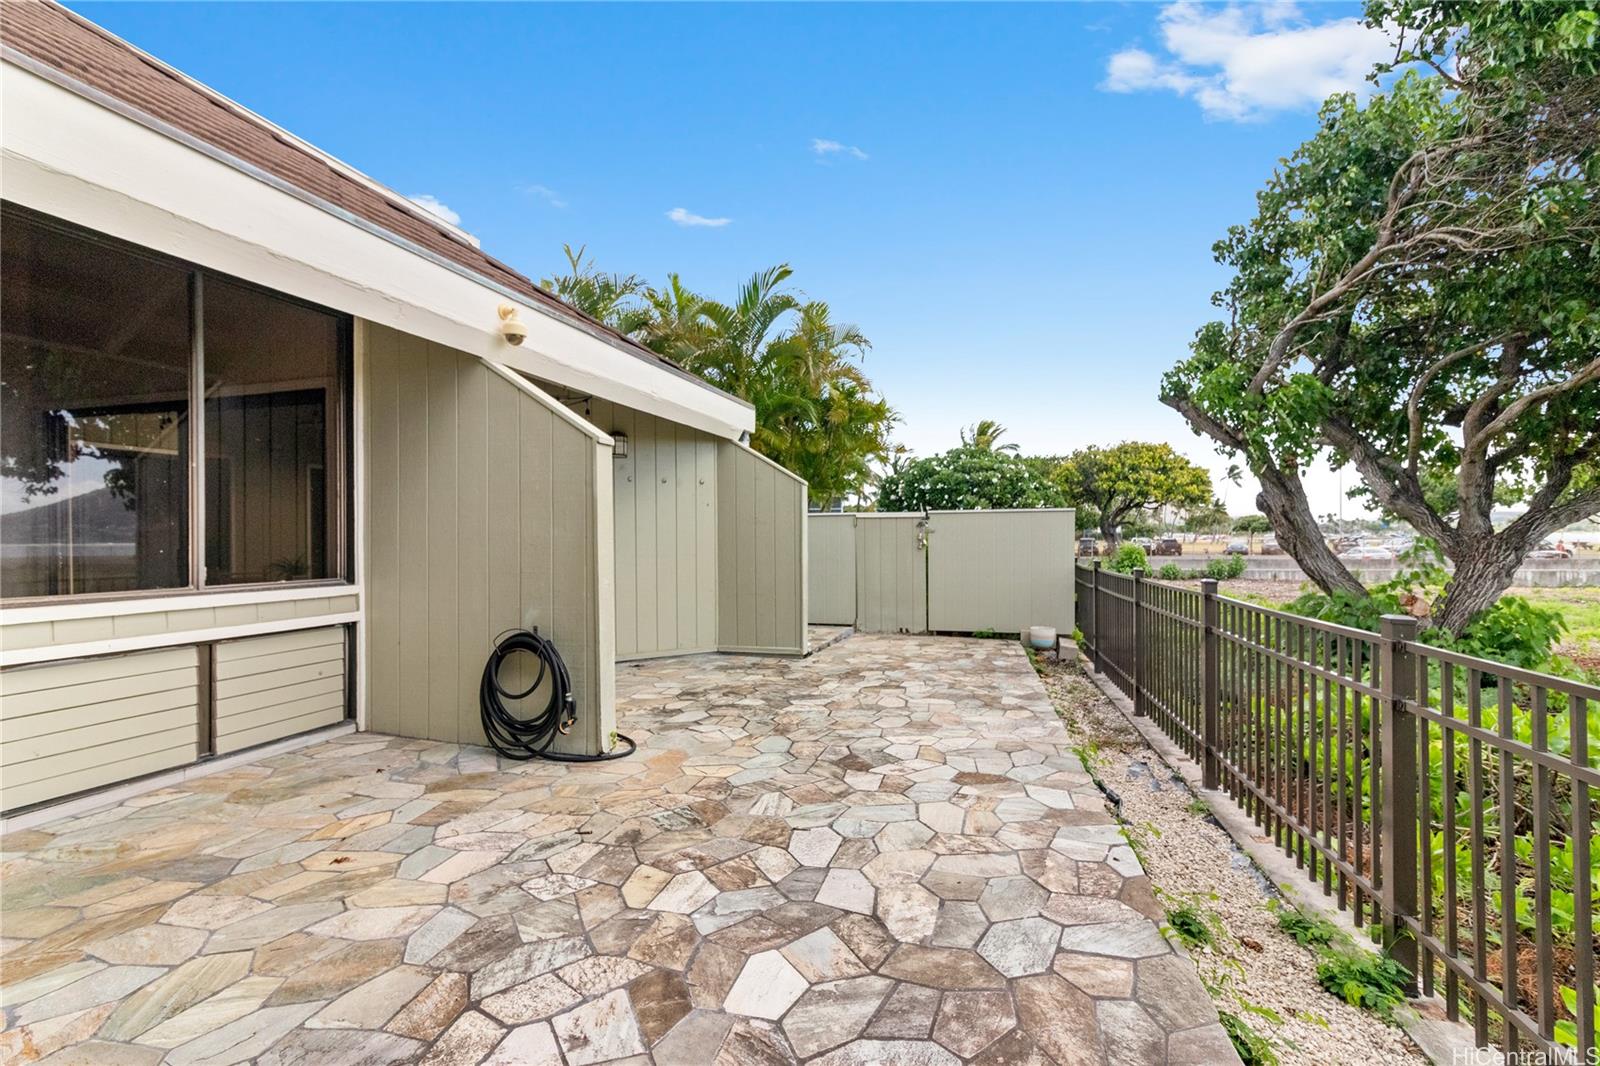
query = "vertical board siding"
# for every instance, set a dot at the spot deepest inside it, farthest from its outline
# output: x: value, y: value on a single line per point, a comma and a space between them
x: 1000, y: 570
x: 71, y: 726
x: 761, y: 554
x: 484, y: 505
x: 891, y: 574
x: 267, y: 688
x: 665, y: 539
x: 831, y: 567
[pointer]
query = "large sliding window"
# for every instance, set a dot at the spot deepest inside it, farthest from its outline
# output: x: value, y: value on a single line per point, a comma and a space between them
x: 107, y: 356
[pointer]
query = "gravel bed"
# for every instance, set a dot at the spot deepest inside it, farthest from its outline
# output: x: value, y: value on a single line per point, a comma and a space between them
x: 1190, y: 859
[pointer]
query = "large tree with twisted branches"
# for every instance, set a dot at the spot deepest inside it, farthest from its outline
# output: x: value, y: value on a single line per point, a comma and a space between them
x: 1419, y: 296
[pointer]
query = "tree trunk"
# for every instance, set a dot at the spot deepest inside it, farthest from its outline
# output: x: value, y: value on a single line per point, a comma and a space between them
x: 1482, y: 574
x: 1283, y: 500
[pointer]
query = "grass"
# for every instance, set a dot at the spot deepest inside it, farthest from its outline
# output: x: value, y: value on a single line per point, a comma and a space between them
x: 1580, y: 609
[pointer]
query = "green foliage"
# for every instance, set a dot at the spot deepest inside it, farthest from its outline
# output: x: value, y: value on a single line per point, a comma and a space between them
x: 1170, y: 572
x: 1128, y: 478
x: 817, y: 414
x: 1252, y: 524
x: 1129, y: 557
x: 1372, y: 982
x: 1418, y: 292
x: 1512, y: 631
x: 966, y: 479
x: 1226, y: 567
x: 1190, y: 926
x: 1208, y: 518
x: 1308, y: 931
x: 1253, y: 1048
x: 985, y: 437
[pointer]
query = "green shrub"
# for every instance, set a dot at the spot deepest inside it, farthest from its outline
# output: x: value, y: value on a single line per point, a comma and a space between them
x: 1308, y: 932
x: 1226, y: 568
x: 1190, y: 926
x: 1372, y: 982
x: 1129, y: 557
x: 1511, y: 631
x: 1253, y: 1048
x: 1170, y: 572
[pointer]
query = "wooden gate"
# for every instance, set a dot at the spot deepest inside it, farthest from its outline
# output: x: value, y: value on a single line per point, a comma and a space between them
x: 999, y: 571
x: 891, y: 573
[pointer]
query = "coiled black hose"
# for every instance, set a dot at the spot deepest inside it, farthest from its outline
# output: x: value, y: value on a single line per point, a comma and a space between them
x: 530, y: 738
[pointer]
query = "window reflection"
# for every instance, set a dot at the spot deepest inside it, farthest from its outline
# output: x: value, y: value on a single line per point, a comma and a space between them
x: 94, y: 385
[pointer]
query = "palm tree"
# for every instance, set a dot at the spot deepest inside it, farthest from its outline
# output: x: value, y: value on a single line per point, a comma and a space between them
x: 985, y: 437
x: 614, y: 299
x: 678, y: 327
x: 739, y: 332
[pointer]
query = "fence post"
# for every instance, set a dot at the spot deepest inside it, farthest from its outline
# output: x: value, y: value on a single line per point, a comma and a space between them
x: 1138, y: 652
x: 1094, y: 593
x: 1210, y: 686
x: 1398, y: 789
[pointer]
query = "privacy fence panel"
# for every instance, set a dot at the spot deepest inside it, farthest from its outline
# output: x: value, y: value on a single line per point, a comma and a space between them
x: 999, y: 570
x: 1448, y: 800
x: 831, y: 572
x: 891, y: 573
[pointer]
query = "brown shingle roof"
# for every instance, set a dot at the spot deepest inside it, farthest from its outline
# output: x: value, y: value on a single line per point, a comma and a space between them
x: 88, y: 54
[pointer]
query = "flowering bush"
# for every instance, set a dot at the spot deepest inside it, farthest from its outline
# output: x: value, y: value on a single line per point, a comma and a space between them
x: 966, y: 479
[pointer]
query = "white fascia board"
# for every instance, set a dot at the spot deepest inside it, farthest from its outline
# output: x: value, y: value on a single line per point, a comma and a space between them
x: 69, y: 156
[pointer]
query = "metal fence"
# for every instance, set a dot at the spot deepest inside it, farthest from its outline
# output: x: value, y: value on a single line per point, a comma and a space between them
x: 1449, y: 801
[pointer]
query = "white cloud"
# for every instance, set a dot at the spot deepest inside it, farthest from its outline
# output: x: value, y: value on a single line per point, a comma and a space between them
x: 688, y: 218
x: 436, y: 207
x: 1243, y: 63
x: 547, y: 194
x: 824, y: 147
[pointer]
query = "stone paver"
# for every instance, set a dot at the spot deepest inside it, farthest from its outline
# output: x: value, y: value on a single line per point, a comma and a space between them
x: 884, y: 853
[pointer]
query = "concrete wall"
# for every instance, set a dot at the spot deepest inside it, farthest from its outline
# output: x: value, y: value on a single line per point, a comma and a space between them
x: 665, y: 494
x: 488, y: 508
x: 1538, y: 573
x: 1000, y: 570
x: 761, y: 554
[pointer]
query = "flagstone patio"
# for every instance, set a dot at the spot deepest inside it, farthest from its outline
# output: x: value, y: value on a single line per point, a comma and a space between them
x: 884, y: 853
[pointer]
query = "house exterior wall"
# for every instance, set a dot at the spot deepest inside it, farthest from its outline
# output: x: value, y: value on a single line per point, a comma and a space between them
x: 665, y: 495
x: 487, y: 507
x: 38, y: 634
x: 84, y: 723
x: 267, y: 688
x: 761, y: 554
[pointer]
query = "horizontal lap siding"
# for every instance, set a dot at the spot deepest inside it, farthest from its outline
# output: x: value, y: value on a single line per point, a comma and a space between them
x: 272, y: 687
x: 71, y: 726
x: 483, y: 506
x: 179, y: 622
x: 761, y: 554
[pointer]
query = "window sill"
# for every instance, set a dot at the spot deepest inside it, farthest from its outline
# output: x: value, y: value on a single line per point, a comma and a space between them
x: 177, y: 600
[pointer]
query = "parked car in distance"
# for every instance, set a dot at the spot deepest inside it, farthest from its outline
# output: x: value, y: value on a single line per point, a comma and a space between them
x: 1168, y: 546
x: 1087, y: 546
x: 1144, y: 542
x: 1367, y: 554
x: 1269, y: 545
x: 1237, y: 547
x: 1547, y: 550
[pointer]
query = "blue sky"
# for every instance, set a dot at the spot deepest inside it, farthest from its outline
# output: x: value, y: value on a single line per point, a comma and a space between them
x: 1017, y: 204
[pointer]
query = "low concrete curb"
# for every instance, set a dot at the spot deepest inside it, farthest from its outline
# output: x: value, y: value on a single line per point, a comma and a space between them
x: 1445, y: 1042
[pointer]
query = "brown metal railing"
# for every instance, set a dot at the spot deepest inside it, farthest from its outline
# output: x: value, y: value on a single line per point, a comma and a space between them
x: 1419, y: 787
